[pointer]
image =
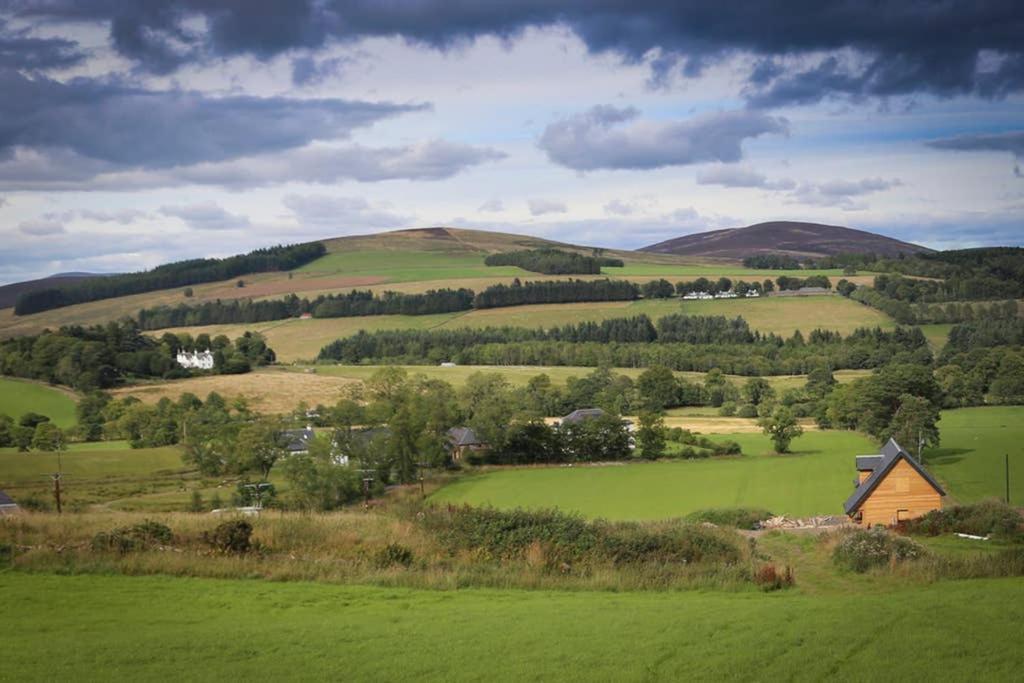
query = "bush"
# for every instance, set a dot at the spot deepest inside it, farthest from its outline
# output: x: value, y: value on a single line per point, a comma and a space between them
x: 393, y: 554
x: 739, y: 518
x: 230, y: 537
x: 136, y: 537
x: 747, y: 410
x: 990, y: 518
x: 564, y: 538
x: 862, y: 550
x: 728, y: 409
x: 768, y: 578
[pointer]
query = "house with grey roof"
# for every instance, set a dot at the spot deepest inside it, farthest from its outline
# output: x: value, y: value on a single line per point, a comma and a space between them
x: 462, y: 441
x: 7, y: 505
x: 892, y: 487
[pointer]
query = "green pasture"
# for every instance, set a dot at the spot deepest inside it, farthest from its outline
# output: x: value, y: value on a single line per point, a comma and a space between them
x: 409, y: 266
x: 815, y: 479
x: 98, y: 473
x: 18, y: 397
x: 937, y: 335
x: 100, y: 628
x: 971, y: 456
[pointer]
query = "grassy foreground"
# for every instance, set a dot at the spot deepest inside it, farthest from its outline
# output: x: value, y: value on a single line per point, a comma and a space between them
x: 135, y: 628
x: 18, y: 397
x: 814, y: 480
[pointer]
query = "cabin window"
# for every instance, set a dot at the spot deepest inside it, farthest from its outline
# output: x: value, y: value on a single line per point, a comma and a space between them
x: 902, y: 515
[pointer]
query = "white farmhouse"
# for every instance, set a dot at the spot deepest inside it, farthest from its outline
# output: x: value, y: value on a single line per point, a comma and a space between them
x: 200, y: 360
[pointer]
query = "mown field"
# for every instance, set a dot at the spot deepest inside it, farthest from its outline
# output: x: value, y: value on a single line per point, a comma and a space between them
x: 297, y: 340
x: 279, y: 390
x: 18, y: 397
x: 94, y: 627
x: 814, y: 480
x: 971, y: 457
x: 108, y: 473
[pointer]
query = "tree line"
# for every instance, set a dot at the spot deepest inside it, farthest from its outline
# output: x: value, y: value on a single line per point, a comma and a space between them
x: 177, y: 274
x: 771, y: 262
x: 104, y: 356
x: 907, y: 313
x: 696, y: 343
x: 553, y: 261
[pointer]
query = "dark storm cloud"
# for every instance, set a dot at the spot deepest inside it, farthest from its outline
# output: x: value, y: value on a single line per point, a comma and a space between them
x: 19, y: 50
x: 1012, y: 142
x: 607, y: 137
x: 129, y: 126
x: 957, y: 47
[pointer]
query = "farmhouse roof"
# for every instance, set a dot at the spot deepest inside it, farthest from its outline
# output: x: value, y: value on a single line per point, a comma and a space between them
x: 866, y: 463
x: 297, y: 440
x: 6, y: 500
x: 582, y: 414
x: 463, y: 436
x: 892, y: 453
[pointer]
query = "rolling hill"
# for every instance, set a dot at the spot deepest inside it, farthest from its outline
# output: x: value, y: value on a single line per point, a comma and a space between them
x: 10, y: 293
x: 783, y: 237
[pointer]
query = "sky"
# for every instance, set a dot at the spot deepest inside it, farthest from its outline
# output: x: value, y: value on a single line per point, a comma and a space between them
x: 137, y: 133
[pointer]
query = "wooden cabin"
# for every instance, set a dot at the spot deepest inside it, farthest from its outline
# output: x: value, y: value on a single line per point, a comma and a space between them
x: 892, y: 487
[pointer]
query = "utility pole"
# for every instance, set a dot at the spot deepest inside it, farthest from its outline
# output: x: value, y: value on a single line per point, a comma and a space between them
x: 920, y: 446
x: 56, y: 483
x: 1006, y: 461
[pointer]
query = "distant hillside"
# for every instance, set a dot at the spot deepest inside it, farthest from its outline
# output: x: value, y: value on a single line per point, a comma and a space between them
x: 10, y: 293
x: 783, y: 237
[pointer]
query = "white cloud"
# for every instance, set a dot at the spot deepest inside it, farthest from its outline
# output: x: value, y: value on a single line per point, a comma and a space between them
x: 206, y: 216
x: 41, y: 227
x: 343, y: 212
x: 539, y: 207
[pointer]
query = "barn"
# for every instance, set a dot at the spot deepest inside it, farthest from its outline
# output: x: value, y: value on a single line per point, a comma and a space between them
x: 892, y: 487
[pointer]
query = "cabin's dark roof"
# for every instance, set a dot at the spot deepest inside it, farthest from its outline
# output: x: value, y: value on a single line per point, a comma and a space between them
x: 866, y: 463
x: 892, y: 453
x: 6, y: 500
x: 297, y: 440
x: 463, y: 436
x: 582, y: 414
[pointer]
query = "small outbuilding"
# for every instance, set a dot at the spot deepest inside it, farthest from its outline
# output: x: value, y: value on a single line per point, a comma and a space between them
x: 7, y: 505
x: 892, y: 487
x: 463, y: 441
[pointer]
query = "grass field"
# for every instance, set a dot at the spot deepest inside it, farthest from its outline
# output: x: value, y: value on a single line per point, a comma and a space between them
x: 279, y: 390
x: 270, y: 390
x: 937, y: 335
x: 18, y: 397
x: 97, y: 473
x: 971, y: 457
x: 816, y: 479
x: 296, y: 340
x: 134, y: 628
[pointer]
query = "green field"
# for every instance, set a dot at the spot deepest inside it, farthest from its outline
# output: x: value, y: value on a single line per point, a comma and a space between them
x: 105, y: 473
x: 18, y: 397
x: 971, y: 457
x: 409, y: 266
x: 937, y: 335
x: 815, y: 479
x: 709, y: 270
x: 96, y: 628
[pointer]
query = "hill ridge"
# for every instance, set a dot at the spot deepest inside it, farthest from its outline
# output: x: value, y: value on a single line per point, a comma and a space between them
x: 792, y: 238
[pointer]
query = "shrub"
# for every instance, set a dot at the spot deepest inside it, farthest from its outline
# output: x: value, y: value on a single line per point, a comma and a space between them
x: 136, y: 537
x: 393, y: 554
x: 768, y: 578
x: 562, y: 538
x: 740, y: 518
x: 747, y: 410
x: 6, y: 554
x: 990, y: 518
x: 233, y: 536
x: 862, y: 550
x: 728, y: 409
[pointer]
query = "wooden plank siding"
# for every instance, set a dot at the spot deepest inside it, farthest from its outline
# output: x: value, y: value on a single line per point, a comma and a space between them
x: 902, y: 494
